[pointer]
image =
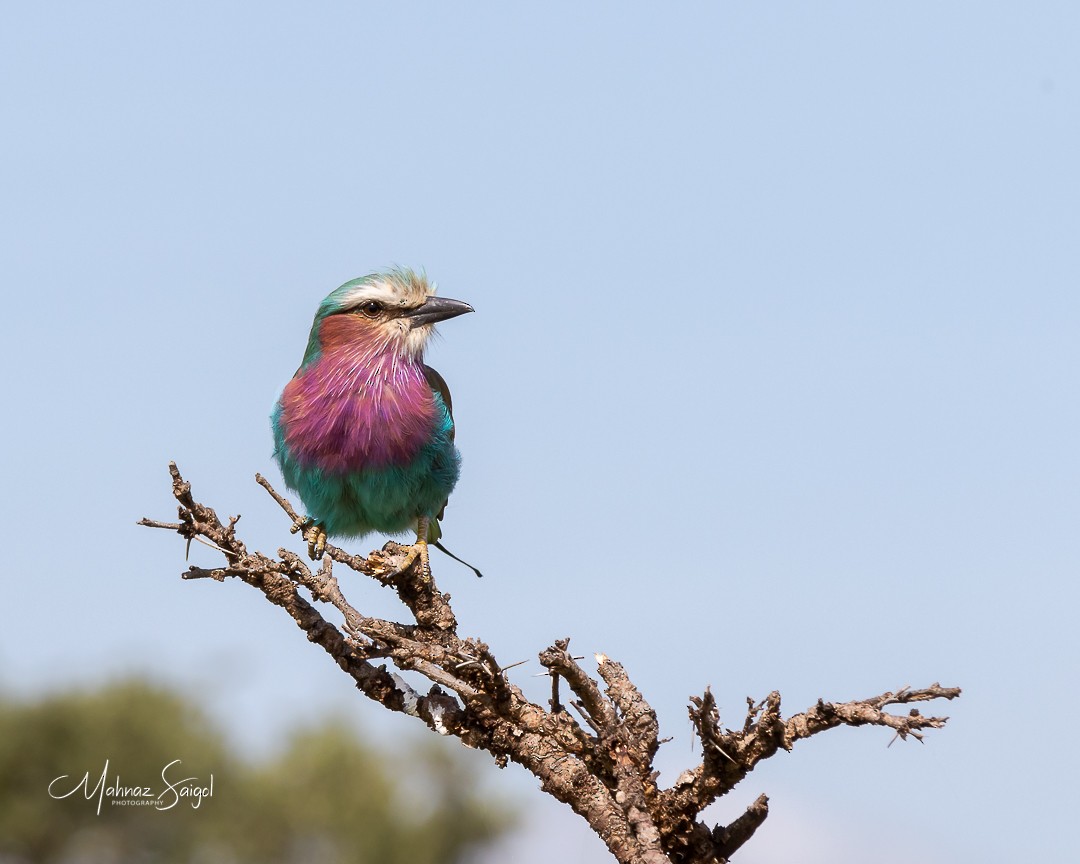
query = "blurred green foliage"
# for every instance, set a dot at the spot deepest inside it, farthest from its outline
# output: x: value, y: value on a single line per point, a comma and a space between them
x: 326, y: 796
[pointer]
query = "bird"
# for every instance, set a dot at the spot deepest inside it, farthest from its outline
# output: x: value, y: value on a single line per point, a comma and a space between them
x: 364, y: 432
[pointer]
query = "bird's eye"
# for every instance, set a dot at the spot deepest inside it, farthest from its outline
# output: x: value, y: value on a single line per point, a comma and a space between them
x: 371, y: 308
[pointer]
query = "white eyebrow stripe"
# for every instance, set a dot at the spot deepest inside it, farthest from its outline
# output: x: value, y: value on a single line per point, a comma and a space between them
x: 379, y: 291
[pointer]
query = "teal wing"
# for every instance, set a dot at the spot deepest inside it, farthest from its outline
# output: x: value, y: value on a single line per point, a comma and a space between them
x: 438, y: 384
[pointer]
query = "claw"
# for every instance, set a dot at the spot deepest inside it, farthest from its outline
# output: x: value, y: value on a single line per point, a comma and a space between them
x: 315, y: 535
x: 418, y: 550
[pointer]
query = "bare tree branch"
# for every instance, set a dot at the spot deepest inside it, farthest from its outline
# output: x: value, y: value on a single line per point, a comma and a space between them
x: 605, y: 771
x: 729, y: 839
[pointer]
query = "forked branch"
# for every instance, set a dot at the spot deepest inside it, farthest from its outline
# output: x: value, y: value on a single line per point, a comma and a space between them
x: 602, y: 769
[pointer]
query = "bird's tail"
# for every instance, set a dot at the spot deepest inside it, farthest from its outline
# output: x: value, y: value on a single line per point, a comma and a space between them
x: 438, y: 545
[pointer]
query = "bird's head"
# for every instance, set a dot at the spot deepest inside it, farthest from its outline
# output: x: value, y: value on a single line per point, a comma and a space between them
x: 391, y: 312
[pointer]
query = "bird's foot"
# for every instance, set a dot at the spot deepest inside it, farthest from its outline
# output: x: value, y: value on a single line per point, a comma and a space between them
x: 314, y: 534
x: 418, y: 550
x: 316, y: 542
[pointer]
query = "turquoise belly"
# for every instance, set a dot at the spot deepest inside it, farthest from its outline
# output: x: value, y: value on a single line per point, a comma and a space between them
x: 387, y: 499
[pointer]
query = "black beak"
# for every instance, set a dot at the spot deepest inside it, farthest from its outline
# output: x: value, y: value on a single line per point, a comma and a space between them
x: 437, y: 309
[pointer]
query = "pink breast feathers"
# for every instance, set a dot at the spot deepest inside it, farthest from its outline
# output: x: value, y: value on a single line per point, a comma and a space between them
x: 341, y: 414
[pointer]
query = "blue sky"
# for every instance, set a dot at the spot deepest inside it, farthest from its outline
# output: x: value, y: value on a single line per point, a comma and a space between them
x: 771, y: 383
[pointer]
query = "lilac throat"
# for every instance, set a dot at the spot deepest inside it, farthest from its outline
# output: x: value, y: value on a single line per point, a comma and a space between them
x: 346, y: 413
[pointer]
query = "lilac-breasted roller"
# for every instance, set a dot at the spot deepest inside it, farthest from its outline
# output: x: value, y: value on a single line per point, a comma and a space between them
x: 364, y: 431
